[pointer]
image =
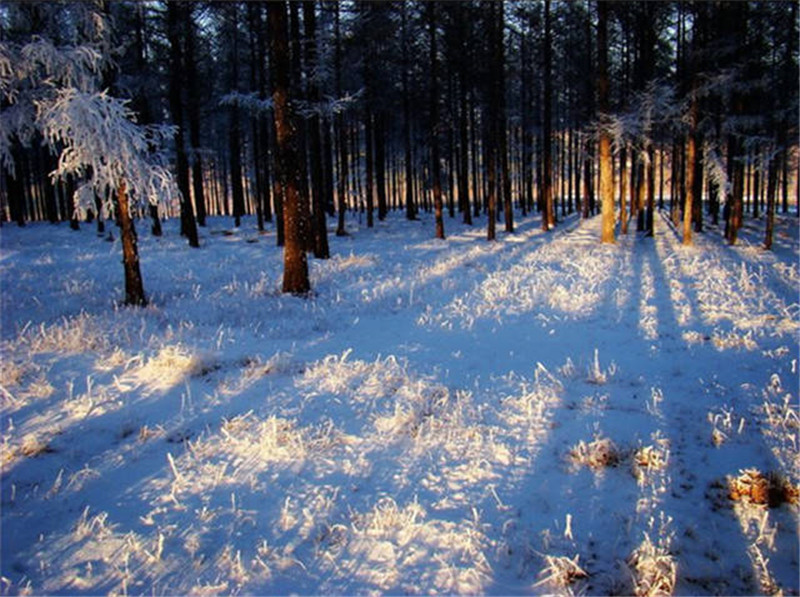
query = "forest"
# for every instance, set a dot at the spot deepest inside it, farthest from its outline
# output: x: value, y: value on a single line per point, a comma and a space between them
x: 417, y: 297
x: 460, y: 108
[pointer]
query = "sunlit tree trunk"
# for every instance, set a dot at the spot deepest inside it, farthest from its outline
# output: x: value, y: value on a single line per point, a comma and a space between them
x: 295, y: 266
x: 623, y: 188
x: 690, y: 170
x: 606, y: 177
x: 772, y: 184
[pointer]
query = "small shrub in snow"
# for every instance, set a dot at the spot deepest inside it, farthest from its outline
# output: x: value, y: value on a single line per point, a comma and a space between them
x: 650, y: 458
x: 561, y: 572
x: 170, y: 366
x: 781, y: 426
x: 146, y: 433
x: 12, y: 373
x: 598, y: 454
x: 724, y: 425
x: 653, y: 568
x: 752, y: 487
x: 596, y: 374
x: 96, y: 526
x: 74, y: 335
x: 365, y: 381
x: 33, y: 446
x: 733, y: 339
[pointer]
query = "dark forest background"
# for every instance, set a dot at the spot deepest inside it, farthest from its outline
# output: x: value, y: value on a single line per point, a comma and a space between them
x: 458, y: 108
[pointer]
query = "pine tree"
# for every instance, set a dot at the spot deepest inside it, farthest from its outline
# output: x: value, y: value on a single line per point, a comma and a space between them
x: 295, y: 266
x: 606, y: 180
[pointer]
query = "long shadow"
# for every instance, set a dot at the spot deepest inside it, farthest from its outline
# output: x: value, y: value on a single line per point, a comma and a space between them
x: 696, y: 465
x: 111, y: 465
x: 552, y: 489
x: 784, y: 289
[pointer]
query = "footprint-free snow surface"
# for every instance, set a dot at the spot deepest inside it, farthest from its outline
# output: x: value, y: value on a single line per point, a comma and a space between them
x: 536, y: 415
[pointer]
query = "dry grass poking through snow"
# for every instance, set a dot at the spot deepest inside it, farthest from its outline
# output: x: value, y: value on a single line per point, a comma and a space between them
x: 753, y: 487
x: 276, y: 478
x: 781, y: 424
x: 561, y: 573
x: 394, y: 548
x: 650, y: 458
x: 653, y: 567
x: 598, y: 454
x: 563, y: 277
x: 170, y: 366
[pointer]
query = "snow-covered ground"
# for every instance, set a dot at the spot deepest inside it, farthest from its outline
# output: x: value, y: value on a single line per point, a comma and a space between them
x: 541, y: 414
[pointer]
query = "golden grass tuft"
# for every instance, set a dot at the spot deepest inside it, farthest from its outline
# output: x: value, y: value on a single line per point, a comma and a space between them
x: 752, y: 487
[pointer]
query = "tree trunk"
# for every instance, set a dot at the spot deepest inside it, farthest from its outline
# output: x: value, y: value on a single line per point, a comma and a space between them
x: 341, y: 191
x: 697, y: 204
x: 134, y: 289
x: 188, y: 223
x: 435, y: 124
x: 772, y: 187
x: 380, y: 166
x: 234, y: 134
x: 295, y: 266
x: 606, y: 176
x: 411, y: 211
x: 651, y: 189
x: 502, y: 124
x: 369, y: 173
x: 548, y: 207
x: 623, y: 188
x: 690, y: 170
x: 193, y: 97
x: 319, y: 218
x: 296, y: 90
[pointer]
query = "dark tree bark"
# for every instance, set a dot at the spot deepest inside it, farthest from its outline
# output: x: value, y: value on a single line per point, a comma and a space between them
x: 548, y: 213
x: 134, y: 288
x: 234, y: 133
x: 411, y: 208
x: 295, y: 266
x: 463, y: 119
x: 319, y: 219
x: 588, y: 159
x: 263, y: 122
x: 502, y: 124
x: 193, y: 109
x: 341, y: 191
x: 491, y: 137
x: 435, y: 124
x: 188, y: 223
x: 16, y: 190
x: 297, y: 91
x: 253, y: 25
x: 369, y: 173
x: 380, y: 165
x: 463, y: 154
x: 772, y: 187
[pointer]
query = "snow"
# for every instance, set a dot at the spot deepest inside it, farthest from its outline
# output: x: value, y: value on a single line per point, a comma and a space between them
x: 540, y: 414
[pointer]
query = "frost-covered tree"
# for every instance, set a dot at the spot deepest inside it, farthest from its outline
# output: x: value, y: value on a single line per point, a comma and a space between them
x: 52, y: 91
x: 98, y: 134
